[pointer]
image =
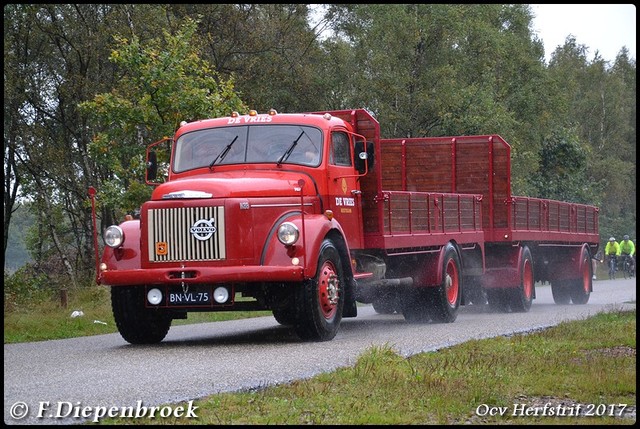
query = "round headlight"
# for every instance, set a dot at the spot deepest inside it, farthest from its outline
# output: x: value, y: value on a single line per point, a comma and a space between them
x: 288, y: 233
x: 113, y: 236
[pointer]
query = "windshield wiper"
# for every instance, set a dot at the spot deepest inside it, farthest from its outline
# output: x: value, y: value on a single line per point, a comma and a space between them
x: 222, y: 154
x: 285, y: 155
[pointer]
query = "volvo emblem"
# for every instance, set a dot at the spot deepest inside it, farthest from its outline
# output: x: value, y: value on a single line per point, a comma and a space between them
x: 203, y: 229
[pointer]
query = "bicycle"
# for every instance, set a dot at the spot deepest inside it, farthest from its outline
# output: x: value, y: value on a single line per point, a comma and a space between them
x: 628, y: 266
x: 612, y: 267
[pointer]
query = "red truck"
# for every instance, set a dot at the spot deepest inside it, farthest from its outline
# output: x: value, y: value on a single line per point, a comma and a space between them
x: 308, y: 214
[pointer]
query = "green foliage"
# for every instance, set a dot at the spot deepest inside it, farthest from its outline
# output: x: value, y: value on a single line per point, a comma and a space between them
x: 563, y: 163
x: 164, y: 81
x: 23, y: 290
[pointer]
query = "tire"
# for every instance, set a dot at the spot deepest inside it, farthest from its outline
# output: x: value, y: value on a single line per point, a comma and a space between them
x: 474, y: 292
x: 561, y: 294
x: 498, y: 300
x: 444, y: 300
x: 580, y: 289
x: 612, y: 269
x: 285, y: 316
x: 136, y: 323
x: 386, y: 304
x: 319, y: 301
x: 522, y: 297
x: 415, y: 305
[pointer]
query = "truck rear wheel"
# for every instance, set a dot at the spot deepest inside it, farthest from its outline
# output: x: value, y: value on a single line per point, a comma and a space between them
x: 415, y: 305
x: 444, y: 300
x: 522, y: 296
x: 137, y: 324
x: 320, y: 300
x: 387, y: 303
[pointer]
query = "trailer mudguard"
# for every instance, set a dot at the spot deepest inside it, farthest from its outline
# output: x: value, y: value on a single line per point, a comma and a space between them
x: 568, y: 263
x: 503, y: 267
x: 432, y: 272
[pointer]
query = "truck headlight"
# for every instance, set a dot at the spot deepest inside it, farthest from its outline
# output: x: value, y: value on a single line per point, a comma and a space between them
x: 113, y: 236
x: 288, y: 233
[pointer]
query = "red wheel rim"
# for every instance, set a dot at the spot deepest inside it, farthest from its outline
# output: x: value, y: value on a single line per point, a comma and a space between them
x: 452, y: 283
x: 586, y: 275
x: 527, y: 279
x: 328, y: 289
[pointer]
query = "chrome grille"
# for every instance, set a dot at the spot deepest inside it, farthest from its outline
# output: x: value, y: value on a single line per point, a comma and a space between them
x: 173, y: 234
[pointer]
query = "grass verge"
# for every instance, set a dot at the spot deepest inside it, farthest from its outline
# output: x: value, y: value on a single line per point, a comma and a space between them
x: 578, y: 372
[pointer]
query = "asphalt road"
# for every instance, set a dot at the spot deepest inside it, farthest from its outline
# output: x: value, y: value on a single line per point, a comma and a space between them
x: 50, y: 382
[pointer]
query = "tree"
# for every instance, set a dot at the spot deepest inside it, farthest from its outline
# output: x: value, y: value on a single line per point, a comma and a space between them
x: 162, y: 82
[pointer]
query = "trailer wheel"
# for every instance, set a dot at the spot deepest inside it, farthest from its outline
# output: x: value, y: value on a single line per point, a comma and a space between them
x: 444, y: 300
x: 560, y: 293
x: 580, y: 289
x: 136, y: 323
x: 474, y: 292
x: 498, y: 300
x: 522, y: 297
x: 319, y: 301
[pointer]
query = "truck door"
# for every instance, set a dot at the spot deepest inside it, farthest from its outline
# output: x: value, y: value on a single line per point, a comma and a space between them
x: 344, y: 188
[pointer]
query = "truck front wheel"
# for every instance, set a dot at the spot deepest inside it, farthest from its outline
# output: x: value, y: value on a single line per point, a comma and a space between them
x: 136, y: 323
x: 320, y: 300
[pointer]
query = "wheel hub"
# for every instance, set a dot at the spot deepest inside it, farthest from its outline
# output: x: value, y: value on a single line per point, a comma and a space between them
x: 328, y: 289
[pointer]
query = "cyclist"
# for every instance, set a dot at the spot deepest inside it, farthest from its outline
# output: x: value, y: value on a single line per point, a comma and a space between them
x: 628, y: 249
x: 612, y: 250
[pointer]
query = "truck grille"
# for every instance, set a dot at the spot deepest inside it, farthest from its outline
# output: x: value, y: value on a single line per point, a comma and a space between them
x: 186, y: 234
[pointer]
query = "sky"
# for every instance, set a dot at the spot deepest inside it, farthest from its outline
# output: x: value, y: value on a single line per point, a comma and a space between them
x: 603, y: 27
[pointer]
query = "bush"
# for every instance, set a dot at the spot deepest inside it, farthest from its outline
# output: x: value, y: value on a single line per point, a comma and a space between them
x: 23, y: 290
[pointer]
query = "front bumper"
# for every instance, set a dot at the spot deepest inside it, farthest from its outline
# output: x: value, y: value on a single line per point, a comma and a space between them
x: 201, y: 275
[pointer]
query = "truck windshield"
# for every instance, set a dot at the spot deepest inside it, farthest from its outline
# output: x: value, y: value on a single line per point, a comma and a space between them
x: 251, y: 144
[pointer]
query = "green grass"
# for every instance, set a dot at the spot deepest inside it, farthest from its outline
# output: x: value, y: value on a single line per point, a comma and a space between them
x: 570, y: 367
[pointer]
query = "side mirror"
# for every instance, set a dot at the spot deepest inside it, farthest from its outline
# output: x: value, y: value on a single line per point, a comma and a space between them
x: 152, y: 166
x: 364, y: 157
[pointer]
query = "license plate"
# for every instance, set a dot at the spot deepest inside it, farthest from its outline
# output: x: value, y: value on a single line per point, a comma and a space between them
x: 201, y: 297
